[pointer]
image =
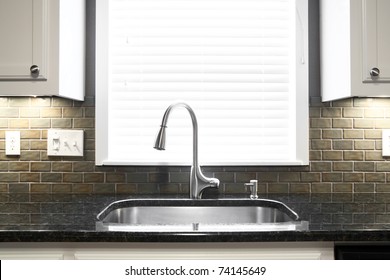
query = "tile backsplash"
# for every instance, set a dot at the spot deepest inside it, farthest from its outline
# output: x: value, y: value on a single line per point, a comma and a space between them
x: 346, y: 185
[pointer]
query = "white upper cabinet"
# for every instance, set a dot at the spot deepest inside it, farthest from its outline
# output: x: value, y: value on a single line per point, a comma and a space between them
x: 42, y: 50
x: 355, y: 44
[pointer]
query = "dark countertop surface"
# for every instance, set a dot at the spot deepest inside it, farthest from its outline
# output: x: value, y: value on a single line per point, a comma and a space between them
x: 72, y: 218
x: 93, y: 236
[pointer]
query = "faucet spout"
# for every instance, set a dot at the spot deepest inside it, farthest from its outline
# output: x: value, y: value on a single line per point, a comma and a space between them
x: 198, y: 181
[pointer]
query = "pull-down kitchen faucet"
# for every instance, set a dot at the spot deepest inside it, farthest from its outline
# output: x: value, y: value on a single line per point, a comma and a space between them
x: 198, y: 181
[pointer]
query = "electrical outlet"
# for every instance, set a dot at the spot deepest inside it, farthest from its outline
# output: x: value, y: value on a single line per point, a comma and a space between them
x: 65, y: 142
x: 386, y: 142
x: 12, y: 143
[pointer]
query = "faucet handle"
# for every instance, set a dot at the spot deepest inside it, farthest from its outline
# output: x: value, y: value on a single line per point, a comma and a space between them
x: 253, y: 188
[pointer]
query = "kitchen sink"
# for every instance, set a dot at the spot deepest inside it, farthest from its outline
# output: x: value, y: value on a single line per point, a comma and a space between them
x: 183, y: 215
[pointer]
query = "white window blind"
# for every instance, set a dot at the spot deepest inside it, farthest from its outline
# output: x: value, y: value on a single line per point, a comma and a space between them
x: 240, y: 64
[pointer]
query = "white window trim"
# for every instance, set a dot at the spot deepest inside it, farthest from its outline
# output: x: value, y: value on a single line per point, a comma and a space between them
x: 302, y: 121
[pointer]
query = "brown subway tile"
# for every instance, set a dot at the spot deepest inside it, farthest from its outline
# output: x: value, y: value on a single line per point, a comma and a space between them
x: 61, y: 102
x: 9, y: 177
x: 61, y: 123
x: 62, y: 188
x: 321, y: 144
x: 353, y: 134
x: 343, y: 166
x: 9, y: 113
x: 332, y: 177
x: 94, y: 177
x: 364, y: 187
x: 18, y: 188
x: 20, y: 102
x: 18, y: 123
x: 329, y: 112
x: 363, y: 123
x: 115, y: 177
x: 38, y: 145
x: 169, y: 188
x: 19, y: 166
x: 3, y: 188
x: 82, y: 188
x: 51, y: 177
x: 278, y: 188
x: 321, y: 166
x: 84, y: 123
x: 342, y: 123
x: 332, y: 155
x: 41, y: 101
x: 373, y: 155
x: 104, y: 188
x: 374, y: 113
x: 40, y: 166
x: 30, y: 156
x: 364, y: 166
x: 73, y: 112
x: 310, y: 177
x: 342, y: 187
x: 289, y: 177
x: 353, y: 113
x: 158, y: 177
x: 51, y: 113
x: 126, y: 188
x: 40, y: 123
x: 268, y: 177
x: 315, y: 155
x: 30, y: 177
x: 61, y: 166
x: 342, y: 144
x: 137, y: 177
x: 321, y: 188
x: 375, y: 177
x: 314, y: 112
x: 300, y: 188
x: 29, y: 113
x: 41, y: 188
x: 321, y: 123
x: 353, y: 177
x: 353, y: 155
x: 315, y: 133
x: 382, y: 124
x: 364, y: 145
x: 332, y: 133
x: 83, y: 166
x: 343, y: 103
x: 383, y: 188
x: 73, y: 177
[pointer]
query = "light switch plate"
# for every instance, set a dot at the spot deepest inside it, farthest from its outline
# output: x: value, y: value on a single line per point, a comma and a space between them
x: 65, y: 142
x: 12, y: 143
x: 386, y: 142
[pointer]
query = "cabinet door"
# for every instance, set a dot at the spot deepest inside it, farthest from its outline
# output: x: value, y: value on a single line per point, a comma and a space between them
x: 22, y: 31
x: 376, y: 38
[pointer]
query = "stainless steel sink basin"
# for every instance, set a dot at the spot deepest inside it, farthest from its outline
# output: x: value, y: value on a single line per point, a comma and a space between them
x: 198, y: 215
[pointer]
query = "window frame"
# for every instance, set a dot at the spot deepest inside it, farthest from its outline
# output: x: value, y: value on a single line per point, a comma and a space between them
x: 301, y: 98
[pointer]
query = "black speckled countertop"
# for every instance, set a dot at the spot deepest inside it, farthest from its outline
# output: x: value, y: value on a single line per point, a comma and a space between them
x: 72, y: 218
x: 78, y: 235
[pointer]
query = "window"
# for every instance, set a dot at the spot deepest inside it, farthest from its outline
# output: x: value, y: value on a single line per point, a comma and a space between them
x: 240, y: 64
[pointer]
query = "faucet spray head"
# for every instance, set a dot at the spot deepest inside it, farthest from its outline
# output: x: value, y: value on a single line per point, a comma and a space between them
x: 160, y: 139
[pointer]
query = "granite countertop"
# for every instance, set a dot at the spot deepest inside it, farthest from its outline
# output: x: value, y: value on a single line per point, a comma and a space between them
x: 72, y: 218
x: 78, y: 235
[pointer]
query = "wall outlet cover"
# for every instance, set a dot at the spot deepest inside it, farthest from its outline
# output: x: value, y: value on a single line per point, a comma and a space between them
x: 386, y: 142
x: 65, y: 142
x: 12, y: 143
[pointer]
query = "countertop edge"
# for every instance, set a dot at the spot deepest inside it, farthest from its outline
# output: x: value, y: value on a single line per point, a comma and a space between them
x: 93, y: 236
